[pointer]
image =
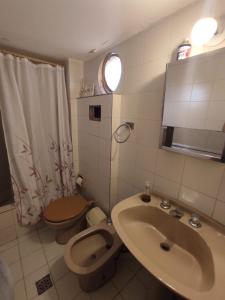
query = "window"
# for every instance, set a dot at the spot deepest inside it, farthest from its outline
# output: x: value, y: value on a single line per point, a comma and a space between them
x: 111, y: 72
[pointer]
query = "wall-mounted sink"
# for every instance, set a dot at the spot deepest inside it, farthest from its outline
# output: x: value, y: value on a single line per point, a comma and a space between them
x: 190, y: 261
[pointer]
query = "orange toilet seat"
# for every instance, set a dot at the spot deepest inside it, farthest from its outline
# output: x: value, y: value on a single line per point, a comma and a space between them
x: 65, y: 208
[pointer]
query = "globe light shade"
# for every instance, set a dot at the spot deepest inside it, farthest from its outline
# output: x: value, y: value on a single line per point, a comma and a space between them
x: 203, y: 31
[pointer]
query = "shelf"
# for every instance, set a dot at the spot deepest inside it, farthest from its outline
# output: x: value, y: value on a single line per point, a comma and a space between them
x: 94, y: 96
x: 194, y: 153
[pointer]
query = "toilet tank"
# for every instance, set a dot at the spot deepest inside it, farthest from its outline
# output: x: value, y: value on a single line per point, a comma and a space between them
x: 95, y: 216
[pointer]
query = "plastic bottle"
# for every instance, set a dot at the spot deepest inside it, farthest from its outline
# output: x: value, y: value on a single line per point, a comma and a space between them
x: 184, y: 50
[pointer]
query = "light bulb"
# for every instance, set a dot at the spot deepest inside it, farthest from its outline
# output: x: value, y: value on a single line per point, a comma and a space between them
x: 203, y: 30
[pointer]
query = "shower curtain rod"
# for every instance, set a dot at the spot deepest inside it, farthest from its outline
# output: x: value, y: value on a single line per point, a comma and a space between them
x: 32, y: 59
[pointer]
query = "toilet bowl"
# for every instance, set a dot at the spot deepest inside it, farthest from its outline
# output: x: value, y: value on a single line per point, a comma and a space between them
x: 67, y: 216
x: 92, y: 255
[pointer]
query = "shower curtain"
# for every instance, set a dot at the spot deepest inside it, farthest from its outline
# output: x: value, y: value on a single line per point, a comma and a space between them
x: 35, y: 116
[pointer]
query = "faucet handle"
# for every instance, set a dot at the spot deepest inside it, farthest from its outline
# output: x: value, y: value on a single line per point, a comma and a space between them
x: 195, y: 221
x: 165, y: 204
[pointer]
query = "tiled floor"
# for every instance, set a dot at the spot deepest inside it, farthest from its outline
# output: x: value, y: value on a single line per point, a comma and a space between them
x: 35, y: 254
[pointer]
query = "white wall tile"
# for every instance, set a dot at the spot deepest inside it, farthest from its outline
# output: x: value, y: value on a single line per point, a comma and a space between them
x: 218, y: 93
x: 146, y: 158
x: 170, y: 165
x: 125, y: 189
x: 129, y: 106
x: 105, y: 128
x: 144, y: 59
x: 219, y: 212
x: 147, y: 133
x: 197, y: 200
x: 141, y: 177
x: 150, y: 105
x: 203, y: 176
x: 161, y: 35
x: 166, y: 187
x: 128, y: 151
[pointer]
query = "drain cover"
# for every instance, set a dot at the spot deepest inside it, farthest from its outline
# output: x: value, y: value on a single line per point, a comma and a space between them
x: 93, y: 256
x: 165, y: 246
x: 43, y: 284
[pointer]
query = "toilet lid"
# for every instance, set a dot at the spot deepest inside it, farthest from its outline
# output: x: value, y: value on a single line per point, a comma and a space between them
x: 65, y: 208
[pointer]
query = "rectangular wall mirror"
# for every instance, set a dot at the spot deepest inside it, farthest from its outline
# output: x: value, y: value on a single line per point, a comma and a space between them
x: 194, y: 106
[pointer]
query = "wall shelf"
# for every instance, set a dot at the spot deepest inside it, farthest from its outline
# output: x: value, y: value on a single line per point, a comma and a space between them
x: 94, y: 95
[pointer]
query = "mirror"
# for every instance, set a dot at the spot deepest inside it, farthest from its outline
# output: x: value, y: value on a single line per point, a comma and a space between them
x: 194, y: 106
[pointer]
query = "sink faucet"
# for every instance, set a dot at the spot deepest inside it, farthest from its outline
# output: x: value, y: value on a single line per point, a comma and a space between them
x: 165, y: 204
x: 176, y: 213
x: 195, y: 221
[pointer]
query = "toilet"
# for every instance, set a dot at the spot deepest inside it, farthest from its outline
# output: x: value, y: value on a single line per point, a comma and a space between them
x: 92, y: 254
x: 67, y: 216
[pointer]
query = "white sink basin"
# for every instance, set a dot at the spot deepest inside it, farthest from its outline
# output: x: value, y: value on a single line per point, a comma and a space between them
x: 190, y: 261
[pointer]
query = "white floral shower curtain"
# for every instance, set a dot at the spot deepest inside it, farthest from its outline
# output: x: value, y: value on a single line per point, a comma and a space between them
x: 35, y: 117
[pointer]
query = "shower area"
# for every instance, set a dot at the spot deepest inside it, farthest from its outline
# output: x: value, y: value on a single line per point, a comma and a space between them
x: 36, y: 152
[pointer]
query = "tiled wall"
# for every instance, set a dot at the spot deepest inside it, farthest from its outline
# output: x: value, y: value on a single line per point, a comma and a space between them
x: 94, y: 148
x: 144, y: 57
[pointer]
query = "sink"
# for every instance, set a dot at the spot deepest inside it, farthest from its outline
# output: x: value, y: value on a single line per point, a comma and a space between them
x: 189, y: 261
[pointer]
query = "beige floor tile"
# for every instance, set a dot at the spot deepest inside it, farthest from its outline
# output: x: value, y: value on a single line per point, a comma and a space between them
x: 68, y: 287
x: 8, y: 245
x: 29, y: 244
x: 146, y: 278
x: 32, y: 278
x: 51, y: 248
x: 122, y: 276
x: 20, y: 292
x: 33, y: 262
x: 107, y: 291
x: 47, y: 235
x: 134, y: 290
x: 23, y: 230
x: 11, y: 255
x: 16, y: 270
x: 130, y: 261
x: 118, y: 297
x: 82, y: 296
x: 58, y: 268
x: 50, y: 294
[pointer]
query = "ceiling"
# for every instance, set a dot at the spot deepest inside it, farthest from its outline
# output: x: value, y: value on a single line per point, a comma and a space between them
x: 71, y: 28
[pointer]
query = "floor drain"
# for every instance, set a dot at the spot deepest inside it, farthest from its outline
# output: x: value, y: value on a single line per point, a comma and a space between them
x: 43, y: 284
x: 165, y: 246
